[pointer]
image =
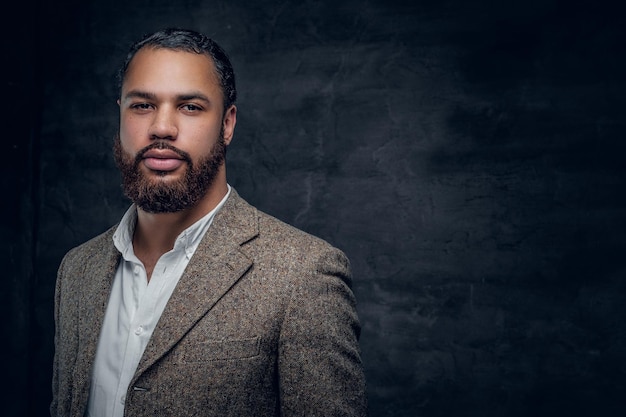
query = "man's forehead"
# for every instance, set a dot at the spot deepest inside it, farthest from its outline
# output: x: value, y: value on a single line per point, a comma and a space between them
x: 179, y: 70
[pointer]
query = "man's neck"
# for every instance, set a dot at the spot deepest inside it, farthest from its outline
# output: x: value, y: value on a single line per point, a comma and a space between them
x: 156, y: 233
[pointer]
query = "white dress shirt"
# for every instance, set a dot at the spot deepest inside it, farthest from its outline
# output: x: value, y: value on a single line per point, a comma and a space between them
x: 134, y: 308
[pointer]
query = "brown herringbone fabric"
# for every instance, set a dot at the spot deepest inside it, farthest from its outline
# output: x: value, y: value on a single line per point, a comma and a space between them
x: 262, y: 323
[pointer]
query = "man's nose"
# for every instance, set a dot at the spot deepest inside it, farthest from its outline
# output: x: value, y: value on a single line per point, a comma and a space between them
x: 164, y: 125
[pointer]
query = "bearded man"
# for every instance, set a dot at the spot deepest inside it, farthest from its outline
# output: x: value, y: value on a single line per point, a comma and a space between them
x: 196, y: 303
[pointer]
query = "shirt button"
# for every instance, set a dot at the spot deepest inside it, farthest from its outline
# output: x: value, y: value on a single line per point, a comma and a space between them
x: 136, y: 270
x: 123, y: 399
x: 139, y: 330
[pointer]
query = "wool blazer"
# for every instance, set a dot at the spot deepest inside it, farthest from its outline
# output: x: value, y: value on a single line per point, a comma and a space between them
x: 263, y: 322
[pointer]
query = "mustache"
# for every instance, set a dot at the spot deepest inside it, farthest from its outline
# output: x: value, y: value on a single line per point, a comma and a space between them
x: 162, y: 145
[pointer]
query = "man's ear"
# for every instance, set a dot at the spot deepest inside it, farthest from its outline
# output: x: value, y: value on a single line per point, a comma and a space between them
x: 228, y: 123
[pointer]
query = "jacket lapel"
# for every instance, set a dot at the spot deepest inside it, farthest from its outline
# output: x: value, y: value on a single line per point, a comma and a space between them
x: 218, y: 263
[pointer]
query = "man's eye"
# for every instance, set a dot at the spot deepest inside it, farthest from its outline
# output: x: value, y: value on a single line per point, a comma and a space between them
x: 141, y: 106
x: 191, y: 107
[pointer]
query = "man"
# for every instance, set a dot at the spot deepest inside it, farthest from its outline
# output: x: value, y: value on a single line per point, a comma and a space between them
x: 197, y: 304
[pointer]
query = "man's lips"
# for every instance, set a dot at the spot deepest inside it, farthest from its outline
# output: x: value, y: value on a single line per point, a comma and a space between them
x: 162, y: 160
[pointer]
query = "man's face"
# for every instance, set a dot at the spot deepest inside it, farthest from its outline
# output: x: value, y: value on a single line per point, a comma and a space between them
x: 173, y: 130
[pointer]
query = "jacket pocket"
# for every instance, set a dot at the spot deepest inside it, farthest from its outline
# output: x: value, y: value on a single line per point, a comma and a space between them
x: 220, y: 350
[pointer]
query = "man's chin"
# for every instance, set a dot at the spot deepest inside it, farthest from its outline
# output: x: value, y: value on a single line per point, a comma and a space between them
x: 161, y: 198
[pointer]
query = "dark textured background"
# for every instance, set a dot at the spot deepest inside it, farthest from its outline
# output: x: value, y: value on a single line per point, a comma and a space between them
x: 468, y: 156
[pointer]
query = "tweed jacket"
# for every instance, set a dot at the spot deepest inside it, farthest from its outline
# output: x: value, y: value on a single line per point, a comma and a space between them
x: 263, y: 322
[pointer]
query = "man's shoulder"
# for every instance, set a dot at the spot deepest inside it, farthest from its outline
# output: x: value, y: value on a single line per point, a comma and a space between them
x: 283, y: 245
x: 286, y: 241
x: 274, y: 228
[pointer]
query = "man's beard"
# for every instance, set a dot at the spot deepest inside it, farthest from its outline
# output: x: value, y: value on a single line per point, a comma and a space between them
x: 156, y: 196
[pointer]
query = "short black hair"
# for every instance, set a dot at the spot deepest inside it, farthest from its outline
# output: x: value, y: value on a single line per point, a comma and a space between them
x: 188, y: 41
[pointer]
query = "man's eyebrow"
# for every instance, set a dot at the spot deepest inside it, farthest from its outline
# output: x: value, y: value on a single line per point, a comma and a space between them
x: 140, y: 94
x: 193, y: 95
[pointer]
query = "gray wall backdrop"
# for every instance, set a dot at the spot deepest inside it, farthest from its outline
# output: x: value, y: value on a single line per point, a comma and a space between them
x: 468, y: 156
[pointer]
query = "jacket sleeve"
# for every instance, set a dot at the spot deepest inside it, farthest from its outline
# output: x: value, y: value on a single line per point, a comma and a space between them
x: 65, y: 342
x: 319, y: 364
x: 55, y: 362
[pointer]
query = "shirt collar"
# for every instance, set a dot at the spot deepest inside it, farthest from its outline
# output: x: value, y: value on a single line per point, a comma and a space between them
x: 186, y: 241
